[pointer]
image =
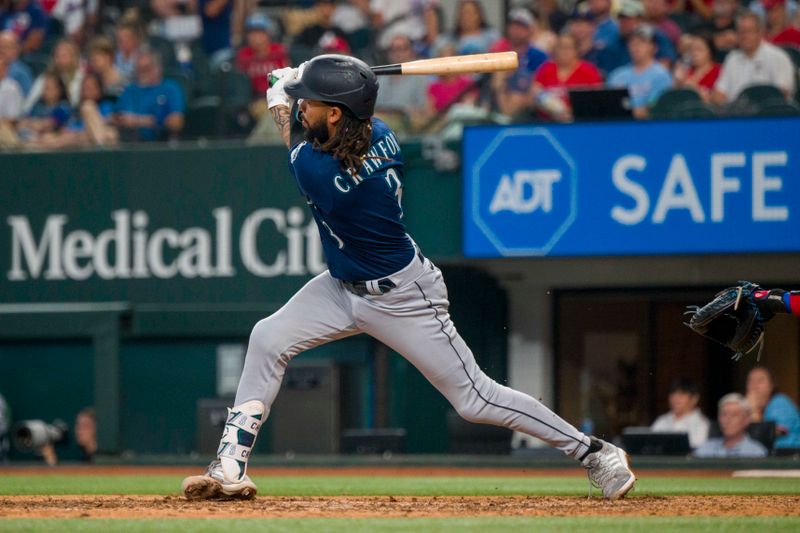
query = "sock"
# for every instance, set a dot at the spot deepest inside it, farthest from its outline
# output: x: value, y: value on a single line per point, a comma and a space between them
x: 238, y: 438
x: 594, y: 446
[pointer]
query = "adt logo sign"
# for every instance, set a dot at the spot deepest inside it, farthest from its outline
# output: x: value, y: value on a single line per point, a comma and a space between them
x: 524, y: 191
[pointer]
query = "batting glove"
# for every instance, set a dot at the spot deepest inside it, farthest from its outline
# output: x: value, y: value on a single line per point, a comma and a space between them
x: 276, y: 94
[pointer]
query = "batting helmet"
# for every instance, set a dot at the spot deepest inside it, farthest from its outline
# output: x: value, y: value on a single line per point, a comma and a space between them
x: 338, y: 79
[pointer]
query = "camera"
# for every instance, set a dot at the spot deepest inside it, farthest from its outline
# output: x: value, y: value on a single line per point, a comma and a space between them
x: 30, y: 435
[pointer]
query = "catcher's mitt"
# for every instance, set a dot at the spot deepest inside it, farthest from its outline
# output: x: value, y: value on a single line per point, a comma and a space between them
x: 732, y: 319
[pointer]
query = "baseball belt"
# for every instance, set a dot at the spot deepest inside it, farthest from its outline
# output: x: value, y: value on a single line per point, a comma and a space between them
x: 375, y: 287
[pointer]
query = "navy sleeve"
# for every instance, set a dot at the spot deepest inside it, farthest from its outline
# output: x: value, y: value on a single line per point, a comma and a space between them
x: 311, y: 168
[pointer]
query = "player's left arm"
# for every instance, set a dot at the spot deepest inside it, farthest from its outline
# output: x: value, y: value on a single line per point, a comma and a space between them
x: 283, y: 108
x: 778, y: 301
x: 283, y: 118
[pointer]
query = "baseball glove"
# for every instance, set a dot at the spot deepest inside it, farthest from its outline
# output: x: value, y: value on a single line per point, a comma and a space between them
x: 732, y: 319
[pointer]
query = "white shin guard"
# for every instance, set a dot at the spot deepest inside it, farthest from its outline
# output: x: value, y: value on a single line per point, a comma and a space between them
x: 238, y: 438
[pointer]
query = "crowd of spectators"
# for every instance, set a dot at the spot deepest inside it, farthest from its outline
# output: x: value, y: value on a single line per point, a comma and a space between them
x: 762, y: 410
x: 77, y: 72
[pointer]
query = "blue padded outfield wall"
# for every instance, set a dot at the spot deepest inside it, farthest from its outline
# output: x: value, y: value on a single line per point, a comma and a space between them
x: 633, y: 188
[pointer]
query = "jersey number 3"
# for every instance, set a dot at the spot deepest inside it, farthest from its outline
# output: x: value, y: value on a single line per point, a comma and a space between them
x: 393, y: 181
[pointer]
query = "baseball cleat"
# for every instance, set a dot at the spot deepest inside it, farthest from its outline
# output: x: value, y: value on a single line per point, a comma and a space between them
x: 226, y: 477
x: 213, y: 486
x: 609, y: 469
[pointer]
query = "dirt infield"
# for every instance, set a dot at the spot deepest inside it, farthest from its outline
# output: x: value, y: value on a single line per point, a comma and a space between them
x: 156, y: 507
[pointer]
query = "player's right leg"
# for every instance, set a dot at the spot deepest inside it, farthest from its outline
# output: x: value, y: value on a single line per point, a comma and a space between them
x: 320, y: 312
x: 414, y: 321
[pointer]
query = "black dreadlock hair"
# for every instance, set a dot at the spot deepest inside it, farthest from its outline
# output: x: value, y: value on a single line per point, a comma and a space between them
x: 350, y: 142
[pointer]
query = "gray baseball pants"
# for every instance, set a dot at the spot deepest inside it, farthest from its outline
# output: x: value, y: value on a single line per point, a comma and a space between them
x: 413, y: 320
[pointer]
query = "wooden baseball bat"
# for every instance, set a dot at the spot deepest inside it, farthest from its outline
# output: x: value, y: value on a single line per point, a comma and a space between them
x: 453, y: 64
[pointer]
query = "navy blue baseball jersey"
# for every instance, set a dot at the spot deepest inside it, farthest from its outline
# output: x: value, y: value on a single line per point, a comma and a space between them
x: 359, y: 216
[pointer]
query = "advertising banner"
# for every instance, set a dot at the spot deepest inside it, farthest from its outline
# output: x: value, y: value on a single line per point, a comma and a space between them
x: 634, y: 188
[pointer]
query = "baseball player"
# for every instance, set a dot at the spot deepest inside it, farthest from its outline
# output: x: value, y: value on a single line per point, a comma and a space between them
x: 349, y: 167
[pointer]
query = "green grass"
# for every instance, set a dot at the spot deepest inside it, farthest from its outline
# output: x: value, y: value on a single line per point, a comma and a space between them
x: 455, y: 525
x: 400, y: 485
x: 395, y: 485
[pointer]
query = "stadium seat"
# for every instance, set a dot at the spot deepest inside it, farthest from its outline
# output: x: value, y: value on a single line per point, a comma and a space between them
x: 778, y: 107
x: 299, y: 53
x: 202, y: 85
x: 232, y: 86
x: 760, y: 93
x: 37, y: 62
x: 165, y: 48
x: 203, y: 118
x: 673, y: 99
x: 182, y: 79
x: 749, y: 102
x: 690, y: 110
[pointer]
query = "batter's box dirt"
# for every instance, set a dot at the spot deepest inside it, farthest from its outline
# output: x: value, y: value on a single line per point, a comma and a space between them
x: 133, y: 507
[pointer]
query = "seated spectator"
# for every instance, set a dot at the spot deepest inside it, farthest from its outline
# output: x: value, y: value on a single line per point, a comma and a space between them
x: 17, y: 70
x: 472, y: 33
x: 449, y: 89
x: 5, y: 423
x: 555, y: 77
x: 260, y: 55
x: 645, y: 79
x: 88, y: 125
x: 315, y: 36
x: 551, y: 15
x: 780, y: 30
x: 701, y: 9
x: 352, y: 15
x: 11, y: 101
x: 617, y: 53
x: 684, y: 415
x: 402, y: 94
x: 722, y: 27
x: 755, y: 62
x: 512, y: 88
x: 216, y: 37
x: 656, y: 13
x: 769, y: 405
x: 757, y: 6
x: 606, y: 28
x: 27, y: 20
x: 101, y: 62
x: 701, y: 72
x: 129, y: 39
x: 542, y: 38
x: 50, y: 112
x: 733, y: 418
x: 92, y: 123
x: 435, y: 36
x: 401, y: 17
x: 582, y: 27
x: 78, y: 18
x: 86, y: 433
x: 66, y: 63
x: 151, y: 108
